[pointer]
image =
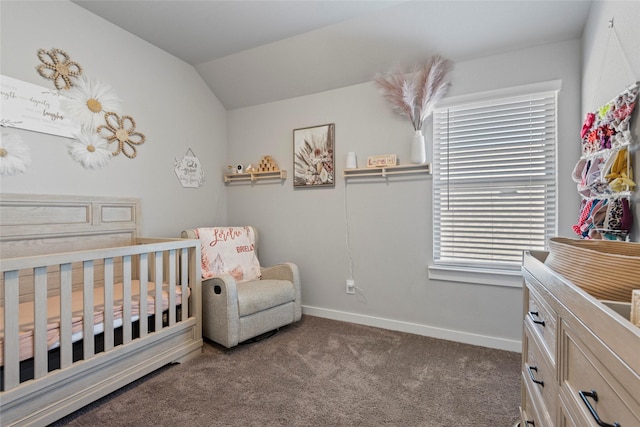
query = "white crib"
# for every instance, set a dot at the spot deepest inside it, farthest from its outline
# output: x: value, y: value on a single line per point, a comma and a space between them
x: 75, y: 322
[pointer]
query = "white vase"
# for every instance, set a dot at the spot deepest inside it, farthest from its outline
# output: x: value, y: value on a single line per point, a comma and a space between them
x: 352, y: 163
x: 418, y: 150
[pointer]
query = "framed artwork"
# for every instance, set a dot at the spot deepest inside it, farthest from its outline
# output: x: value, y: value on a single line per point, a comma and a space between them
x: 314, y: 156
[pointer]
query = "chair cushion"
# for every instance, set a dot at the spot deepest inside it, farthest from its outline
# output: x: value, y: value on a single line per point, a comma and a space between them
x: 229, y: 250
x: 261, y: 295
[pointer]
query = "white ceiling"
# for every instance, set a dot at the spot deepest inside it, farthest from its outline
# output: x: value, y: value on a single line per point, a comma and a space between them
x: 253, y: 52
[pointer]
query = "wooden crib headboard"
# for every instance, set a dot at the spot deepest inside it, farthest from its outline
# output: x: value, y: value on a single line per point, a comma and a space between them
x: 33, y: 224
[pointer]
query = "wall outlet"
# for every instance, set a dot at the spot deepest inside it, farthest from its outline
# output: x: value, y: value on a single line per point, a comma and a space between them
x: 351, y: 286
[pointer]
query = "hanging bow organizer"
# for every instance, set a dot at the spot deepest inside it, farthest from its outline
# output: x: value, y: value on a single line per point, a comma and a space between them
x: 604, y: 173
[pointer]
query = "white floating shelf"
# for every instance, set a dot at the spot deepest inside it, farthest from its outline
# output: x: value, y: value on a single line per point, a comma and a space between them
x: 388, y: 170
x: 255, y: 176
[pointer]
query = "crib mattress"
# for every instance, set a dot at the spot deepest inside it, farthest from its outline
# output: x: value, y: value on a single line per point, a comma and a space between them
x: 26, y: 315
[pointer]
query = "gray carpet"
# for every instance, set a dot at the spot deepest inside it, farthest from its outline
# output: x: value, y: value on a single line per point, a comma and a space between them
x: 321, y: 372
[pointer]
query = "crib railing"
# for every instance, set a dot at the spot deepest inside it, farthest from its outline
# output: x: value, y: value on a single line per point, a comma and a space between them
x: 161, y: 262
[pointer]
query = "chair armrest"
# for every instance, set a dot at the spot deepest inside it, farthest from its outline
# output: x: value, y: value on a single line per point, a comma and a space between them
x: 220, y: 317
x: 188, y: 234
x: 286, y: 271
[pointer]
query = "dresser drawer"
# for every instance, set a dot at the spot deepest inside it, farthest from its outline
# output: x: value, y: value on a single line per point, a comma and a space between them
x: 569, y: 418
x: 593, y: 352
x: 595, y: 382
x: 543, y: 319
x: 539, y: 376
x: 529, y: 416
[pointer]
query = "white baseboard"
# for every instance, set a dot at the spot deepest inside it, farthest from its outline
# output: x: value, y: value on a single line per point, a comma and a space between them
x: 415, y: 328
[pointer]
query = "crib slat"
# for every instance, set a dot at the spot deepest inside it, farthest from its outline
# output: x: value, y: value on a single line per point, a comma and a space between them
x: 11, y: 342
x: 144, y: 277
x: 108, y: 304
x: 87, y: 317
x: 126, y: 296
x: 172, y: 287
x: 184, y: 282
x: 40, y: 322
x: 66, y: 346
x: 158, y: 291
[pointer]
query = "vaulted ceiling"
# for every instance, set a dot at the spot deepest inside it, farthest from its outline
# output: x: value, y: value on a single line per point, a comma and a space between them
x: 253, y: 52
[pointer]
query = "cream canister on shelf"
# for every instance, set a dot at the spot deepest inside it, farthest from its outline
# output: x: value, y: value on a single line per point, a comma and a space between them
x: 352, y: 162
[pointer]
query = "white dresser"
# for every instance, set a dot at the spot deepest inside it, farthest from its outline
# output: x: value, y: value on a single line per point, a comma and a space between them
x: 580, y: 359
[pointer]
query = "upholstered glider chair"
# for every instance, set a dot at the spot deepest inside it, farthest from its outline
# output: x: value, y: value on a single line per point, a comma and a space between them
x: 240, y: 299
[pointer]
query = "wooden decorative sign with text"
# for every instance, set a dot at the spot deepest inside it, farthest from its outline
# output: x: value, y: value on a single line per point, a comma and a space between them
x: 31, y: 107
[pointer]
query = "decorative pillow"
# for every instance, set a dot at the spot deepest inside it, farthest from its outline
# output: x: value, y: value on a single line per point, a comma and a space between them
x: 229, y: 250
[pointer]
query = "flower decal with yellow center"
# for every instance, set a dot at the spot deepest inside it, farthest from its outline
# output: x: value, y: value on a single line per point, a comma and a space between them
x: 122, y: 131
x: 58, y: 66
x: 90, y: 150
x: 15, y: 156
x: 88, y: 100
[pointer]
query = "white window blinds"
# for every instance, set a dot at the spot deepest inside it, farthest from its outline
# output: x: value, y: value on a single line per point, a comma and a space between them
x: 494, y: 181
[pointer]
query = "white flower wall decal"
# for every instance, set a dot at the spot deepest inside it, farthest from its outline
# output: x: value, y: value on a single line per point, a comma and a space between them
x: 88, y: 101
x: 90, y: 150
x: 15, y: 156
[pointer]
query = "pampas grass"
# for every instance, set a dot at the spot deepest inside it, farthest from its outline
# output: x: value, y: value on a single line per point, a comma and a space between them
x: 414, y: 94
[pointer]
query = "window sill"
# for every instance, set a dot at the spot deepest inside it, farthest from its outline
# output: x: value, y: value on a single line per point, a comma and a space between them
x: 511, y: 279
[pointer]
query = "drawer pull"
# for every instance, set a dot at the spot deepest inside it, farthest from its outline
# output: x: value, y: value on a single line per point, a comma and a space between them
x: 592, y: 394
x: 536, y: 314
x: 533, y: 378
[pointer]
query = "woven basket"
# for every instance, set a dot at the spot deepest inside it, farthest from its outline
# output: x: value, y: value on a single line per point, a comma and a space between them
x: 606, y: 269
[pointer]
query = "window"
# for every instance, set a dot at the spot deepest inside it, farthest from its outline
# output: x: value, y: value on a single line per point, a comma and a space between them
x: 494, y: 180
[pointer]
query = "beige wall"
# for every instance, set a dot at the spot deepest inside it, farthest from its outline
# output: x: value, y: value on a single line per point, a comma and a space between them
x: 168, y: 100
x: 388, y: 223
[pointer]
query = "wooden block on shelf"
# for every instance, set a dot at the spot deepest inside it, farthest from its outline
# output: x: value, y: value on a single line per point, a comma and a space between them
x: 267, y: 164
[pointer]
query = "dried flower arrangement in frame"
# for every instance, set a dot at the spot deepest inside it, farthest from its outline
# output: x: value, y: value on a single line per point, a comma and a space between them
x: 314, y: 156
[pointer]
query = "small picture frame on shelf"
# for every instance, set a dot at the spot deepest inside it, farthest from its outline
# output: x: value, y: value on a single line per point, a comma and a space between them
x: 314, y: 156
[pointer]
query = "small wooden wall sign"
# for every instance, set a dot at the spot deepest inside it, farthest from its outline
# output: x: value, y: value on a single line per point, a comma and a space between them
x: 382, y: 161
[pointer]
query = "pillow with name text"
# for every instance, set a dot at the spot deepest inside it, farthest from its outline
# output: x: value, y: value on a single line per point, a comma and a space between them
x: 229, y: 250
